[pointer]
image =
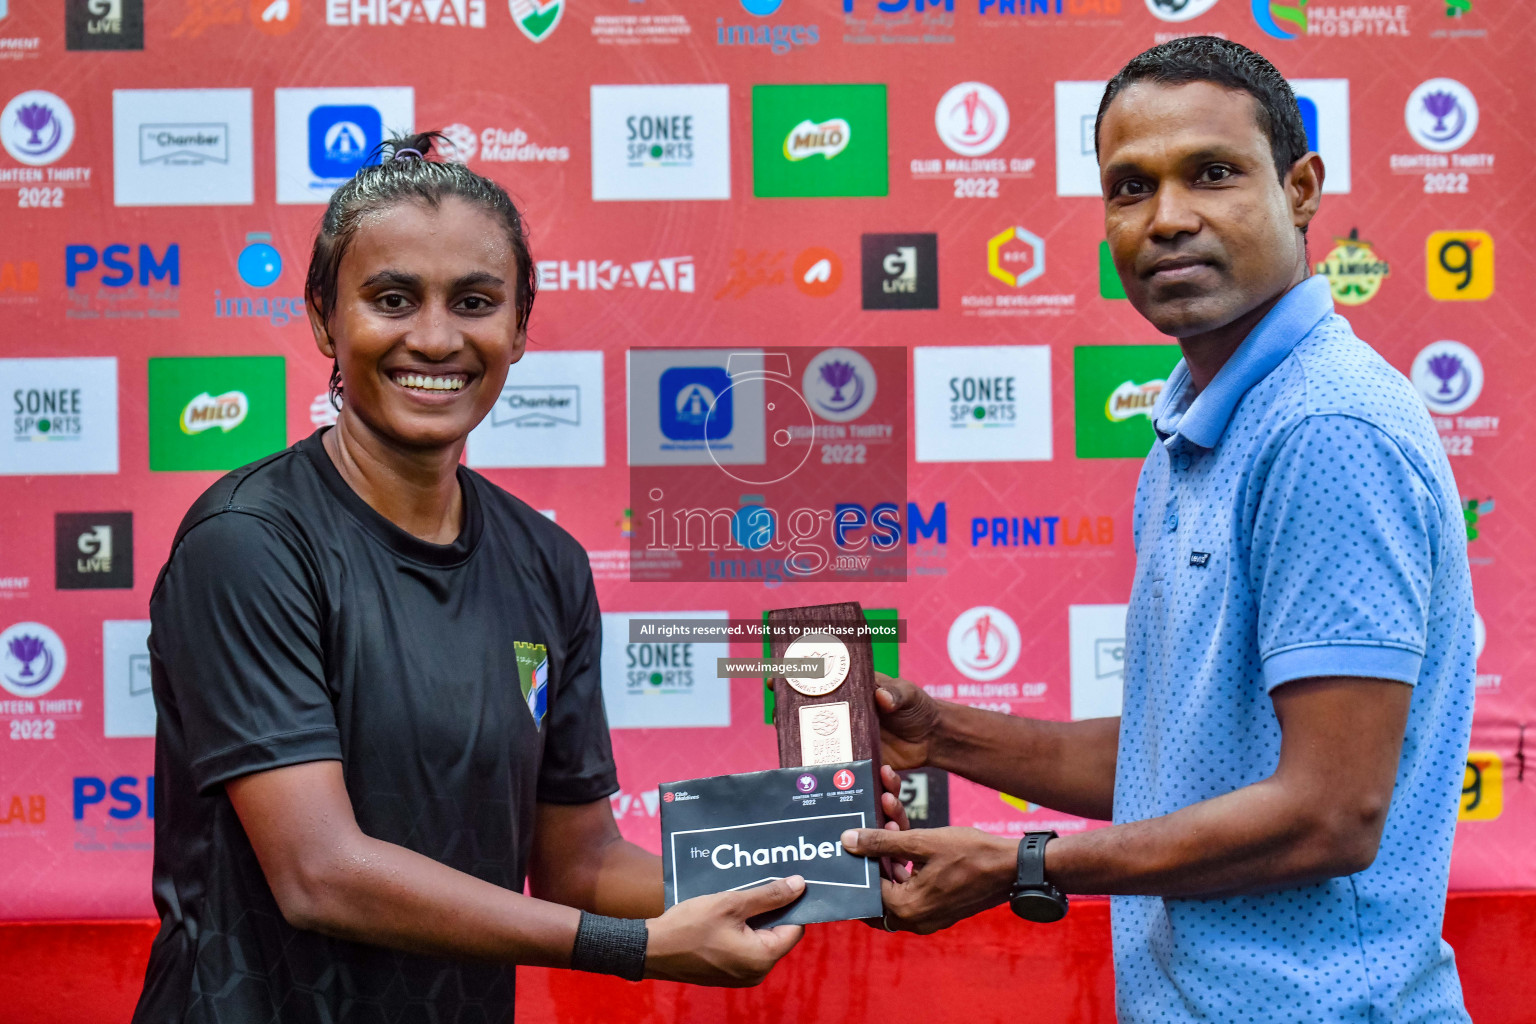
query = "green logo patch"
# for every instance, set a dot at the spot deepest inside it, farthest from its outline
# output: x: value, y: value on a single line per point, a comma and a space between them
x: 819, y: 140
x: 215, y: 412
x: 1114, y: 388
x: 533, y: 675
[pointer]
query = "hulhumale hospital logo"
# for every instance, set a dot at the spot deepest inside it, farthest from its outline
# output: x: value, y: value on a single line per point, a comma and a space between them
x: 1441, y: 115
x: 32, y: 659
x: 1281, y: 20
x: 37, y: 128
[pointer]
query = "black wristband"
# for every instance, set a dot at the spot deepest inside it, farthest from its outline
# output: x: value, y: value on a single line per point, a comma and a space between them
x: 610, y: 945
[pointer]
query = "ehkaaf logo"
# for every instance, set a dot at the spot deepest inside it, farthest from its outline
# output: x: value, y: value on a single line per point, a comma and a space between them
x: 93, y: 550
x: 668, y: 274
x: 900, y: 271
x: 456, y: 13
x: 32, y: 659
x: 104, y: 24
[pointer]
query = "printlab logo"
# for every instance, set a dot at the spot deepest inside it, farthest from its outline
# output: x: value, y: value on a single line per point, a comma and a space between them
x: 259, y: 265
x: 1441, y: 115
x: 839, y: 384
x: 972, y: 119
x: 984, y: 643
x: 182, y: 147
x: 217, y: 412
x: 104, y: 24
x: 900, y: 271
x: 661, y: 142
x: 982, y: 403
x: 1353, y: 270
x: 460, y: 13
x: 37, y: 128
x: 497, y: 145
x: 63, y: 416
x: 536, y: 20
x: 1449, y: 376
x: 541, y: 418
x: 93, y: 550
x: 1459, y: 265
x: 325, y: 135
x: 819, y: 140
x: 1179, y: 10
x: 32, y: 659
x: 1114, y: 390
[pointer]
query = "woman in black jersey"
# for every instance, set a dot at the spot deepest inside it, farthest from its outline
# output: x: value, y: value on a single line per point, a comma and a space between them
x: 377, y: 677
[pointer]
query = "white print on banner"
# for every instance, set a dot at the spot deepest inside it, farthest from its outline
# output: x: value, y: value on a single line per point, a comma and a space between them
x: 182, y: 147
x: 128, y: 705
x: 550, y: 413
x: 671, y: 274
x: 460, y: 13
x: 982, y: 403
x: 1449, y: 377
x: 37, y: 129
x: 1096, y: 644
x: 497, y: 145
x: 32, y: 659
x: 1015, y: 260
x: 971, y: 119
x: 655, y: 685
x: 1441, y: 116
x: 63, y: 416
x: 640, y: 29
x: 17, y: 47
x: 898, y: 22
x: 1490, y: 681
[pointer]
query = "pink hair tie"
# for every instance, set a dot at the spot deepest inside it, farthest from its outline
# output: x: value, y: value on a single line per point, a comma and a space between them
x: 400, y: 154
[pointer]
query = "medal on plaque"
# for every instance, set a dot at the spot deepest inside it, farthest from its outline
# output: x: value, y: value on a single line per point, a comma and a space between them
x: 831, y: 718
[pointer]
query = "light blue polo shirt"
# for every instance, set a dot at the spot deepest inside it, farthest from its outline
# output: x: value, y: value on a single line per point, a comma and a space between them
x: 1298, y: 518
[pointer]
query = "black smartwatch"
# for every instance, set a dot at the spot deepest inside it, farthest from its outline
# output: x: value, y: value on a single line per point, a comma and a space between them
x: 1032, y: 897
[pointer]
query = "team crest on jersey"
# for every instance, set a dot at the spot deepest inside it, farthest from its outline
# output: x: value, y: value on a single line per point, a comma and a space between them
x: 533, y: 674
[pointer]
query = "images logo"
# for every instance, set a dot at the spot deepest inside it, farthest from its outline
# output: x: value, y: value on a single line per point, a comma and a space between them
x: 779, y: 39
x: 259, y: 265
x: 984, y: 643
x: 536, y: 20
x: 1015, y: 256
x: 1459, y: 265
x: 972, y: 119
x: 93, y: 550
x: 842, y: 125
x: 1279, y: 19
x: 1114, y: 388
x: 900, y: 271
x: 1448, y: 375
x: 32, y: 659
x: 36, y: 128
x: 839, y: 384
x: 1441, y: 115
x: 1353, y: 270
x: 217, y: 412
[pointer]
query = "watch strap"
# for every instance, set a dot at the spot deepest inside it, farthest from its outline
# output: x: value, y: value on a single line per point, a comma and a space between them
x: 1031, y: 865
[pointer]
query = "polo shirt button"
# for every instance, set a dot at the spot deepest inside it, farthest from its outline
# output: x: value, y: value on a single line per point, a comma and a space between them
x: 1173, y: 521
x: 1184, y: 461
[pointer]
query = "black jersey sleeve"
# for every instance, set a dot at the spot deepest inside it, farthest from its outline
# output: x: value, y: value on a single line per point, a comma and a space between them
x: 235, y: 625
x: 578, y: 754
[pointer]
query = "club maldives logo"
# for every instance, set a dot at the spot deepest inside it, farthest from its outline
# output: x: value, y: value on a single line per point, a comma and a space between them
x: 498, y: 145
x: 32, y: 659
x: 1441, y: 115
x: 1353, y: 270
x: 972, y: 119
x: 536, y: 20
x: 839, y: 384
x: 1448, y: 375
x: 37, y: 128
x: 984, y: 643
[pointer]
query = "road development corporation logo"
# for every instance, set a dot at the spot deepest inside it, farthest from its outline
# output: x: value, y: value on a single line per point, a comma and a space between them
x: 550, y: 413
x: 972, y: 119
x: 1353, y: 270
x: 217, y: 412
x: 1114, y: 389
x: 839, y: 384
x: 984, y: 643
x: 1459, y: 265
x: 982, y: 403
x: 819, y: 140
x: 1448, y: 375
x: 661, y: 142
x: 325, y: 135
x: 1016, y: 256
x: 63, y: 416
x: 1179, y: 10
x: 182, y: 147
x: 32, y: 659
x: 536, y: 20
x: 1441, y: 115
x: 37, y: 128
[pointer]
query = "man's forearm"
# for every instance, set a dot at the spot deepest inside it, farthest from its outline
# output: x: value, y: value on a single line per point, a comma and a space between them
x: 1066, y: 766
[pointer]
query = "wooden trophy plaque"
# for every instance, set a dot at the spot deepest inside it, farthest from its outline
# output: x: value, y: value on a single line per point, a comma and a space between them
x: 831, y: 719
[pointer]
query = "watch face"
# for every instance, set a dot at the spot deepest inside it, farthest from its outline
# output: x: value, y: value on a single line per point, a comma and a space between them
x: 1038, y: 906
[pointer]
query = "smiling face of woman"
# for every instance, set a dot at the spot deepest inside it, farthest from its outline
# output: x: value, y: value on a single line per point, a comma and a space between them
x: 425, y: 322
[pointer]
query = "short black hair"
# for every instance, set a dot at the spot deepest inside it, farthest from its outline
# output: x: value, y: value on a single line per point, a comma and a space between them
x: 1229, y: 64
x: 404, y: 174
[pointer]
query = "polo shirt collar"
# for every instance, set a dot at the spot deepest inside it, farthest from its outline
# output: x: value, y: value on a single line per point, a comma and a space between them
x: 1204, y: 420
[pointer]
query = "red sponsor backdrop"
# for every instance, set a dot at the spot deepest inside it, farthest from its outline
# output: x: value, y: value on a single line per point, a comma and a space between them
x: 75, y: 838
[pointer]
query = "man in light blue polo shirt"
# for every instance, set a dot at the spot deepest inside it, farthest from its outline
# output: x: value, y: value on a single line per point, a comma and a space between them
x: 1285, y: 774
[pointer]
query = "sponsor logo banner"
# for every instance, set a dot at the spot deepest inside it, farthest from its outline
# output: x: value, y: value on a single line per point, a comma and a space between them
x: 182, y: 147
x: 217, y: 412
x: 63, y: 416
x: 819, y: 140
x: 550, y: 413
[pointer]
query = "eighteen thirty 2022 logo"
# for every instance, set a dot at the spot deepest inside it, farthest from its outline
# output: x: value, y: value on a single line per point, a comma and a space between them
x: 32, y: 659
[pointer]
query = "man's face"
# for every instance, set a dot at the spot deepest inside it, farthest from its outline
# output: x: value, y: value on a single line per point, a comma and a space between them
x: 1201, y: 230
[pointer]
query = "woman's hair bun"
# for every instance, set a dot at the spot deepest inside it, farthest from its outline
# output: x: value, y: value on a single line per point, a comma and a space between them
x: 407, y: 146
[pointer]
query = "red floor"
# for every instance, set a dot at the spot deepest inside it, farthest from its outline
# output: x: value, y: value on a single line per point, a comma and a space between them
x: 993, y: 968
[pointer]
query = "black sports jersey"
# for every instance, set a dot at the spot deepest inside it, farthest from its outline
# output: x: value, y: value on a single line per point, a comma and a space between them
x: 458, y: 684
